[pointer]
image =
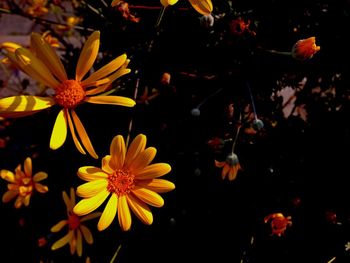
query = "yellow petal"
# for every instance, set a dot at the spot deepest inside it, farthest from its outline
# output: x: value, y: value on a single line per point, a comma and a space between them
x: 88, y: 55
x: 111, y: 100
x: 19, y: 202
x: 143, y: 159
x: 90, y: 216
x: 48, y: 56
x: 9, y: 195
x: 140, y: 209
x: 26, y: 199
x: 153, y: 171
x: 92, y: 188
x: 117, y: 151
x: 41, y: 188
x: 67, y: 201
x: 83, y: 135
x: 87, y: 234
x: 166, y: 3
x: 24, y: 103
x: 73, y: 244
x: 63, y: 241
x: 72, y: 131
x: 157, y: 185
x: 10, y: 46
x: 35, y: 68
x: 28, y: 166
x: 107, y: 164
x: 59, y: 132
x: 88, y: 205
x: 39, y: 176
x: 7, y: 175
x: 59, y: 226
x: 124, y: 215
x: 138, y: 145
x: 79, y: 243
x: 104, y: 71
x: 148, y: 196
x: 204, y: 7
x: 89, y: 173
x: 109, y: 213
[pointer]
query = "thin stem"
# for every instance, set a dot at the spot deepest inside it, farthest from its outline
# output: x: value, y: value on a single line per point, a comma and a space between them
x: 207, y: 98
x: 279, y: 52
x: 116, y: 254
x: 252, y: 100
x: 237, y: 133
x: 160, y: 16
x: 131, y: 120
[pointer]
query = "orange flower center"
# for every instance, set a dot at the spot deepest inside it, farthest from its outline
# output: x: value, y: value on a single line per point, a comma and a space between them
x: 69, y: 94
x: 73, y: 221
x: 121, y: 182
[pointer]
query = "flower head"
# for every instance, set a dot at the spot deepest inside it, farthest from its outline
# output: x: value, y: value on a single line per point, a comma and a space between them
x: 305, y: 49
x: 166, y: 3
x: 22, y: 184
x: 129, y: 179
x: 43, y: 64
x: 278, y: 222
x: 37, y: 8
x: 230, y: 166
x: 204, y: 7
x: 76, y: 230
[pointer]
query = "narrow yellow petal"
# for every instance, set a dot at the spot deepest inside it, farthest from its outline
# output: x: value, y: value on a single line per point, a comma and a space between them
x: 59, y: 226
x: 156, y: 185
x: 28, y: 166
x: 117, y: 151
x: 153, y: 171
x: 7, y: 175
x: 107, y: 164
x: 73, y: 244
x: 39, y: 176
x: 41, y: 188
x: 124, y: 215
x: 92, y: 188
x: 79, y: 243
x: 59, y: 132
x: 204, y: 7
x: 143, y: 159
x: 83, y: 135
x: 109, y: 213
x: 35, y: 67
x: 88, y: 55
x: 67, y: 201
x: 90, y: 216
x: 111, y: 100
x: 10, y: 46
x: 137, y: 145
x: 88, y: 205
x: 105, y: 70
x: 72, y: 196
x: 9, y: 195
x: 19, y: 202
x: 24, y: 103
x: 148, y: 196
x: 63, y: 241
x: 87, y: 234
x: 74, y: 136
x: 89, y: 173
x: 48, y: 56
x: 140, y: 209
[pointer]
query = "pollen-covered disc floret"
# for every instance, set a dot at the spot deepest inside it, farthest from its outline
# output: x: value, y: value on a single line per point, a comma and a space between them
x: 121, y: 182
x: 69, y: 94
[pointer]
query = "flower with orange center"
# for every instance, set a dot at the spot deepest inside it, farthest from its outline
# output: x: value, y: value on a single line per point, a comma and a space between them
x: 305, y: 49
x: 278, y: 222
x: 230, y: 166
x: 44, y: 65
x: 76, y: 230
x: 129, y: 179
x: 22, y: 184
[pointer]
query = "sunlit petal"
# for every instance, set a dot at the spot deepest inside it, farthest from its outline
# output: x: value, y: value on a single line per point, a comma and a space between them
x: 41, y: 188
x: 24, y: 103
x: 156, y: 185
x: 153, y: 171
x: 59, y: 132
x: 107, y: 164
x: 143, y: 159
x: 92, y: 188
x: 140, y: 209
x: 111, y: 100
x: 204, y: 7
x: 74, y: 136
x: 63, y: 241
x: 117, y: 151
x: 28, y: 166
x: 109, y: 213
x: 39, y: 176
x: 59, y: 226
x: 138, y: 145
x: 7, y: 175
x: 88, y: 205
x: 89, y: 173
x: 148, y: 196
x: 124, y: 215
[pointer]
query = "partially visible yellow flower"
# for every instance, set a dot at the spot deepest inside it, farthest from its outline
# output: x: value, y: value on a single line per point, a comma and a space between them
x: 44, y: 65
x: 129, y: 179
x: 230, y: 167
x: 76, y: 230
x: 305, y: 49
x: 204, y: 7
x: 53, y: 41
x: 22, y: 184
x: 166, y: 3
x: 37, y: 8
x: 278, y: 222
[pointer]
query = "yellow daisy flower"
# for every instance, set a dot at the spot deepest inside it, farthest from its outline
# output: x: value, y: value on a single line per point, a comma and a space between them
x: 129, y: 179
x: 44, y: 65
x: 230, y: 167
x: 22, y: 184
x: 75, y: 228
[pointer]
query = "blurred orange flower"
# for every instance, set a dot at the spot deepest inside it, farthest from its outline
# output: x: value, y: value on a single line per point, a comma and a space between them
x: 37, y: 8
x: 76, y: 230
x: 278, y: 222
x: 230, y: 166
x: 129, y: 179
x: 22, y: 184
x: 305, y: 49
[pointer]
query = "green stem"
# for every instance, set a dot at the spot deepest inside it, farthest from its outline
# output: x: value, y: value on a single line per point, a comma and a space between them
x: 116, y: 254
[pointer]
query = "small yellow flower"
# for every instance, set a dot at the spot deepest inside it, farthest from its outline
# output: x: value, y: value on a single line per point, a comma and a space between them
x: 22, y: 184
x: 44, y: 65
x: 279, y: 223
x: 76, y: 230
x: 53, y: 41
x: 305, y: 49
x: 129, y: 179
x: 230, y: 167
x: 37, y: 8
